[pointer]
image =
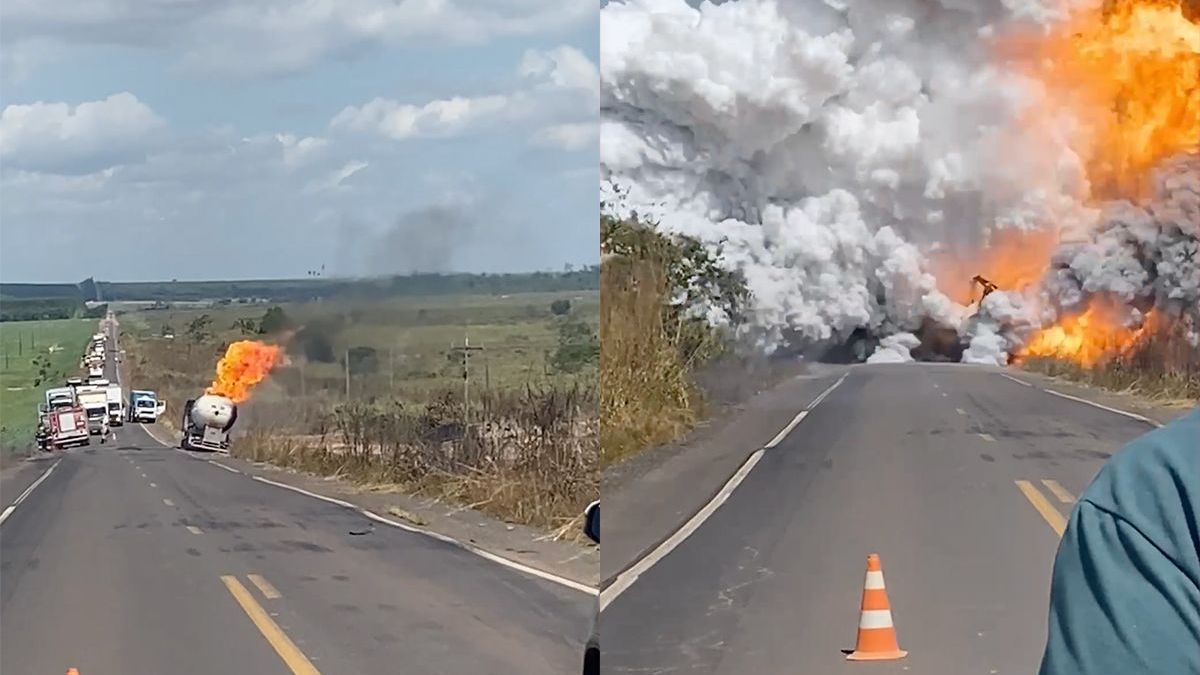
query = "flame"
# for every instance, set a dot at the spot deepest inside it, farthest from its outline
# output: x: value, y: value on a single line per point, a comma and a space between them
x: 1129, y: 70
x: 245, y: 364
x: 1088, y: 339
x: 1013, y: 260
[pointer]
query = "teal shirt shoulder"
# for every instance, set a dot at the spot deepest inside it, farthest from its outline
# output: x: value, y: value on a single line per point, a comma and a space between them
x: 1125, y: 595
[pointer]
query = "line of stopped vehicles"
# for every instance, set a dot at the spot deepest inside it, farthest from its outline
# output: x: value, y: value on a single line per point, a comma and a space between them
x: 83, y: 408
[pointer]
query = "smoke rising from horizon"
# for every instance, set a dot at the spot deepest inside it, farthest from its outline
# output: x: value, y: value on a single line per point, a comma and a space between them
x: 422, y: 240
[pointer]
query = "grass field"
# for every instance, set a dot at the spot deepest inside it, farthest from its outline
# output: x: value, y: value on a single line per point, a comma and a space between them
x: 412, y: 339
x: 34, y: 354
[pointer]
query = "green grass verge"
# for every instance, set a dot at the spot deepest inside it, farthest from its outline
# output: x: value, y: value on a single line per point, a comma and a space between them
x: 33, y: 356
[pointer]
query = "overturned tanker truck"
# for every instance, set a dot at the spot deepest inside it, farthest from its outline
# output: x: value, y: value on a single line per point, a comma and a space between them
x: 206, y: 423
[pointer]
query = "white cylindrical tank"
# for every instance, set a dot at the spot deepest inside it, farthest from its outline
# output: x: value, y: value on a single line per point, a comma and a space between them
x: 214, y: 411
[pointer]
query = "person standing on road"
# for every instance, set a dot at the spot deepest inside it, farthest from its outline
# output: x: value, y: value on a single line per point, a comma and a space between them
x: 1125, y: 594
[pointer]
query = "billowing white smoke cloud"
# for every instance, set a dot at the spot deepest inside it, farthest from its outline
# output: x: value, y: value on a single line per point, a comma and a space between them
x: 828, y: 146
x: 1140, y: 256
x: 895, y: 349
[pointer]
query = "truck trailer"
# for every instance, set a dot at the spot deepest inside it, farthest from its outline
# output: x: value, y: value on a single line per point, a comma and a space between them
x: 94, y: 400
x: 206, y: 423
x: 116, y: 405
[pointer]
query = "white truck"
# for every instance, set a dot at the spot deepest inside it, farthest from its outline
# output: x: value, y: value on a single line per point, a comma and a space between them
x: 206, y: 423
x: 116, y: 405
x: 94, y: 399
x: 144, y: 406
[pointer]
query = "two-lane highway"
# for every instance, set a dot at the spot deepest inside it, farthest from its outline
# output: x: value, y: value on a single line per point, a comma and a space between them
x: 959, y: 477
x: 130, y: 557
x: 134, y: 558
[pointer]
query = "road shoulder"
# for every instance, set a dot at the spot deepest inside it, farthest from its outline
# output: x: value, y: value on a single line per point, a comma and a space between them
x: 576, y: 561
x: 1118, y: 400
x: 19, y: 473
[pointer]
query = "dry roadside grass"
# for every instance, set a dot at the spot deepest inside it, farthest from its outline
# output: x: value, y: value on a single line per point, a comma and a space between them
x: 646, y: 392
x: 1164, y: 368
x: 533, y: 461
x: 655, y: 292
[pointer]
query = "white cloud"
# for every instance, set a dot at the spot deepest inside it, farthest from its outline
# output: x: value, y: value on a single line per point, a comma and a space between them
x: 334, y: 179
x: 299, y: 151
x: 560, y: 95
x: 78, y: 139
x: 571, y: 136
x: 435, y: 119
x: 563, y: 67
x: 270, y: 37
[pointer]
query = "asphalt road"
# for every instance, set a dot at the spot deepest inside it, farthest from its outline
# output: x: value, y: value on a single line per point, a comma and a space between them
x: 918, y: 463
x: 134, y: 558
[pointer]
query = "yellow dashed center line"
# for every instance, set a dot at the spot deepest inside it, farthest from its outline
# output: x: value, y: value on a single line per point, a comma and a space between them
x: 287, y: 650
x: 1059, y: 491
x: 265, y: 586
x: 1053, y: 518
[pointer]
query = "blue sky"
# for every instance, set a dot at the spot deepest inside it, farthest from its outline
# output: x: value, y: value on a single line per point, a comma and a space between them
x: 261, y: 139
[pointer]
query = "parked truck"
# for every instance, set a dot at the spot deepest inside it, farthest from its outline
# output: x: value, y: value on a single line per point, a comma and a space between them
x: 144, y: 406
x: 116, y: 405
x: 94, y: 399
x: 62, y: 421
x: 206, y: 423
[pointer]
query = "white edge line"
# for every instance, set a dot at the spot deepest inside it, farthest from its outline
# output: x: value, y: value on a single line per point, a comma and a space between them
x: 488, y: 555
x: 158, y: 440
x: 803, y: 413
x: 786, y: 430
x: 1020, y: 382
x: 821, y: 397
x: 230, y: 469
x: 1118, y: 411
x: 569, y: 583
x: 626, y: 579
x: 302, y: 491
x: 16, y: 502
x: 483, y: 553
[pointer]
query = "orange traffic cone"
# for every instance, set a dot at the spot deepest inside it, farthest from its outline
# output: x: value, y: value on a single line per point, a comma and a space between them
x: 876, y: 633
x: 72, y: 671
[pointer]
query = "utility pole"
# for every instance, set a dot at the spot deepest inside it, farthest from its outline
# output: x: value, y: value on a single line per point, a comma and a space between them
x: 391, y: 369
x: 347, y: 373
x: 466, y: 350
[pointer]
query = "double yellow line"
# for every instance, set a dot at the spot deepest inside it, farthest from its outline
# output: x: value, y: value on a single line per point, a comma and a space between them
x: 283, y: 645
x: 1053, y: 517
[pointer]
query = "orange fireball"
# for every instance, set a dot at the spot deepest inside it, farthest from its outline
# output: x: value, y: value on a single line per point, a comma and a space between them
x: 245, y: 364
x: 1129, y: 70
x: 1088, y: 339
